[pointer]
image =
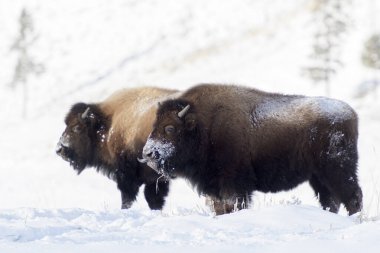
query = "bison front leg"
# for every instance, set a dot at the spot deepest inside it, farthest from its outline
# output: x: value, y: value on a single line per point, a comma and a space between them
x: 324, y: 195
x: 338, y: 170
x: 128, y: 196
x: 128, y: 187
x: 155, y: 194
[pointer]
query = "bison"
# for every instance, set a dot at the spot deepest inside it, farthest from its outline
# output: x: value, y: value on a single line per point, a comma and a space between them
x: 229, y: 141
x: 110, y: 136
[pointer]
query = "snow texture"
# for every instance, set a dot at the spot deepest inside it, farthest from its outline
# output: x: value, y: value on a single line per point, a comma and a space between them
x: 292, y: 110
x: 164, y: 150
x: 334, y: 110
x: 258, y: 231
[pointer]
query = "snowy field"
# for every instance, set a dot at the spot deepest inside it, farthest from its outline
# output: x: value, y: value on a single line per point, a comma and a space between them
x: 91, y: 48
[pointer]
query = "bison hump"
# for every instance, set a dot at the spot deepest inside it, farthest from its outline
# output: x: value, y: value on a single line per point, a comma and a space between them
x: 298, y: 109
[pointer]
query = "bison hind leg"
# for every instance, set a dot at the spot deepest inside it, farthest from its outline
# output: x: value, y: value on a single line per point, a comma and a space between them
x: 338, y: 169
x: 220, y: 207
x: 341, y: 179
x: 344, y: 186
x: 155, y: 194
x: 355, y: 203
x: 325, y: 197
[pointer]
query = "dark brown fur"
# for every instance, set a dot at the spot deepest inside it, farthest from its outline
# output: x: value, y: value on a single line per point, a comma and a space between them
x: 236, y: 140
x: 110, y: 138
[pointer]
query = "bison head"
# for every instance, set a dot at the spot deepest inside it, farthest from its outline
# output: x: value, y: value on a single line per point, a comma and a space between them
x: 76, y: 143
x: 173, y: 141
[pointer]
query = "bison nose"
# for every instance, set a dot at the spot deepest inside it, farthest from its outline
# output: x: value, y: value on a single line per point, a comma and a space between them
x: 151, y: 154
x: 156, y: 155
x: 58, y: 149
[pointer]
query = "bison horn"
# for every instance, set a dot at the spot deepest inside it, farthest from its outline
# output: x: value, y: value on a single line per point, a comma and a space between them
x: 85, y: 114
x: 142, y: 160
x: 184, y: 111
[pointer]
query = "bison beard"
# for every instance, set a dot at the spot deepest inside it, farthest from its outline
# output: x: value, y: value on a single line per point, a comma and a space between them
x: 234, y: 140
x: 94, y: 138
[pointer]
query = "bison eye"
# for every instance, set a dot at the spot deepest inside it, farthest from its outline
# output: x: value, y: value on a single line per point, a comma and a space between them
x: 77, y: 129
x: 169, y: 129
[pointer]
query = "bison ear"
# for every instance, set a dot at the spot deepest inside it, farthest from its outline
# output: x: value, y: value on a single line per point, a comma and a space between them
x: 190, y: 121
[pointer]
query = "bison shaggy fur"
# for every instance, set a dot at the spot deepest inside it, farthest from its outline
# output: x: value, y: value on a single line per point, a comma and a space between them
x: 229, y: 141
x: 110, y: 135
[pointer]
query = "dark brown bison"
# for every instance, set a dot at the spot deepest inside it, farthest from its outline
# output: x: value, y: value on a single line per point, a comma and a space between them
x: 110, y: 136
x: 229, y: 141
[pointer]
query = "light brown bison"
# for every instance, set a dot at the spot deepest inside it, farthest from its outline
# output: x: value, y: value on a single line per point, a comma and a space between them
x: 229, y: 141
x: 110, y: 136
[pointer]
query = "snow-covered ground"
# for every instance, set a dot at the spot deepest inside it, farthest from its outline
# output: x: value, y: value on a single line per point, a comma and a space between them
x: 91, y: 48
x: 66, y: 230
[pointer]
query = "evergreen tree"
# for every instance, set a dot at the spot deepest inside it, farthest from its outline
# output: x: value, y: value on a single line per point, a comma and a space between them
x: 25, y: 65
x: 371, y: 52
x: 332, y: 24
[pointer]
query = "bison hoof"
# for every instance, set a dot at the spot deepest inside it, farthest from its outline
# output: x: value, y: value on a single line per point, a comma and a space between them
x: 355, y: 205
x: 126, y: 205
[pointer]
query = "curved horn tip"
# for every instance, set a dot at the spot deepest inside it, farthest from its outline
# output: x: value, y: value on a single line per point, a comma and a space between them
x: 142, y: 160
x: 85, y: 114
x: 183, y: 111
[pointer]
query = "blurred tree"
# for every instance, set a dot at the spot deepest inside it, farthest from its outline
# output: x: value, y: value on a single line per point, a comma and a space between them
x: 370, y: 59
x: 332, y: 23
x: 371, y: 52
x: 25, y: 64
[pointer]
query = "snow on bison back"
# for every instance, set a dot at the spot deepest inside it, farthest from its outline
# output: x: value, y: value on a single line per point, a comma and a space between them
x: 229, y: 141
